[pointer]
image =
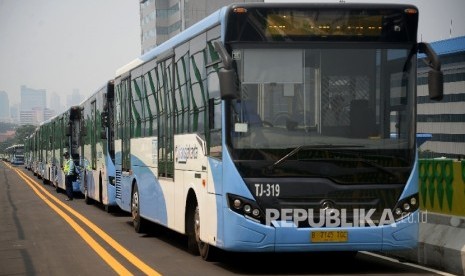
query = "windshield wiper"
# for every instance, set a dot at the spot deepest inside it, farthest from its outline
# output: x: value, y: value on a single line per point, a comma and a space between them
x: 299, y: 148
x: 379, y: 167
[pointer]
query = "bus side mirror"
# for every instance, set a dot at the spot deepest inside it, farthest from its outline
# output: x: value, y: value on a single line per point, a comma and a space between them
x: 228, y: 84
x: 226, y: 75
x: 435, y: 75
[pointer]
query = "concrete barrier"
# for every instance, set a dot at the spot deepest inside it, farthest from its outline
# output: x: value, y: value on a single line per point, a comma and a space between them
x: 441, y: 242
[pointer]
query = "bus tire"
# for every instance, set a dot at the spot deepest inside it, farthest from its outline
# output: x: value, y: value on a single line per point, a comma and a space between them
x: 108, y: 208
x: 87, y: 199
x: 100, y: 188
x: 55, y: 186
x: 138, y: 222
x: 192, y: 246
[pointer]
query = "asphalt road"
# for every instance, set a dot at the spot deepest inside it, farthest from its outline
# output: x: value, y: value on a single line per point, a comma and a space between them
x: 41, y: 234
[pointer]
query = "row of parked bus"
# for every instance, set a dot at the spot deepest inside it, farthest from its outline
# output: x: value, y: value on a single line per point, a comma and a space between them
x: 240, y: 130
x: 85, y: 131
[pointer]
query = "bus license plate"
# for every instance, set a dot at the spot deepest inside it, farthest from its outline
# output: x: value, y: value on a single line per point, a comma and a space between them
x: 329, y: 236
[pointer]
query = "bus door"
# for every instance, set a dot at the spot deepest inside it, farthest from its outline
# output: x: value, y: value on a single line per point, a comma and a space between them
x: 126, y: 112
x: 110, y: 125
x: 166, y: 119
x: 76, y: 133
x: 93, y: 134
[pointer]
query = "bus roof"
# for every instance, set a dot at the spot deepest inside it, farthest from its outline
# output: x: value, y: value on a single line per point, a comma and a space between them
x: 190, y: 32
x: 219, y: 15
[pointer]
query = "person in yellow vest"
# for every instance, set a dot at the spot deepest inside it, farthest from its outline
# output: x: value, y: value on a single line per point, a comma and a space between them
x: 69, y: 171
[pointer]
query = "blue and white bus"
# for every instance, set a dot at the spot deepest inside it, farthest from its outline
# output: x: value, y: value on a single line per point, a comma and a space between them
x: 15, y: 154
x: 97, y: 147
x: 50, y: 141
x: 266, y: 127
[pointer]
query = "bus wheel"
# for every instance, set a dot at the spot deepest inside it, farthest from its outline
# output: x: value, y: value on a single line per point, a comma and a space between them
x: 192, y: 246
x: 108, y: 209
x: 195, y: 244
x: 137, y: 221
x: 87, y: 199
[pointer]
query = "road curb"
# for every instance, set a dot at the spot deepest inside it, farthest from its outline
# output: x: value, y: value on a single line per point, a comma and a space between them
x: 441, y: 244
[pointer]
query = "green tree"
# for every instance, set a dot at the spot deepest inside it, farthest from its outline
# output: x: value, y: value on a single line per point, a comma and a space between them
x: 4, y: 127
x: 21, y: 133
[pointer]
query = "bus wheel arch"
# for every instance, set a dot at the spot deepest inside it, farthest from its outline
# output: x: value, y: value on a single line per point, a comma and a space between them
x: 192, y: 229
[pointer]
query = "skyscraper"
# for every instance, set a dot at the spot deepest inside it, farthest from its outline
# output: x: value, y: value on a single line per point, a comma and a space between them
x: 55, y: 103
x: 33, y: 105
x: 33, y: 98
x: 74, y: 99
x: 162, y: 19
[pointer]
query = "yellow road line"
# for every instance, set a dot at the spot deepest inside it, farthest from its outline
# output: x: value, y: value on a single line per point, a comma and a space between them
x: 118, y: 247
x: 112, y: 262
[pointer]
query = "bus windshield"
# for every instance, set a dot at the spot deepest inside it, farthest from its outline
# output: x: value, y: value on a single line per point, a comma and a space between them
x: 19, y: 151
x: 339, y: 113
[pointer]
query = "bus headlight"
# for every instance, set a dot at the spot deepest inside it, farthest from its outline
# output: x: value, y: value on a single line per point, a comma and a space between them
x: 237, y: 203
x: 245, y: 207
x: 256, y: 212
x: 405, y: 207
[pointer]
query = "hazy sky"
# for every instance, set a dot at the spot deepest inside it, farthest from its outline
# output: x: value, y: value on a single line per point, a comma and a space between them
x: 61, y: 45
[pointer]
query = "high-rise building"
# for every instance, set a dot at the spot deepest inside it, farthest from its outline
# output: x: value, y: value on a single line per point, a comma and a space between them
x: 162, y: 19
x: 74, y: 99
x: 444, y: 120
x: 34, y: 116
x: 14, y: 113
x: 4, y: 107
x: 33, y: 98
x: 33, y: 105
x: 55, y: 103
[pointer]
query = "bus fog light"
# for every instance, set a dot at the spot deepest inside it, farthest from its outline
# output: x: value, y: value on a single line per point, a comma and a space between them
x: 406, y: 206
x: 237, y: 203
x: 247, y: 208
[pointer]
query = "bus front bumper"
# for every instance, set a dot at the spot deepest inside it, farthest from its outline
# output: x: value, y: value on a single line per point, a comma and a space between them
x: 243, y: 234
